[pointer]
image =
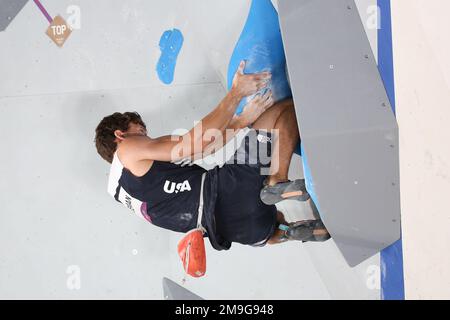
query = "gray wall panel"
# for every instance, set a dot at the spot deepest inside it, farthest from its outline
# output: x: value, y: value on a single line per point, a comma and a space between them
x: 348, y: 130
x: 8, y: 11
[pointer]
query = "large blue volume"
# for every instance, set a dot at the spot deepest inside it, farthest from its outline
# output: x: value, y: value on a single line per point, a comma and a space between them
x: 261, y: 45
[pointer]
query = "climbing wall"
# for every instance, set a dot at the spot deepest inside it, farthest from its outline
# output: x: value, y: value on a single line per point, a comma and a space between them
x: 61, y: 234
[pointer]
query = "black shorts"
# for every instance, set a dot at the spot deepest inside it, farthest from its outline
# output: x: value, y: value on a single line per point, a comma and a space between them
x: 240, y: 214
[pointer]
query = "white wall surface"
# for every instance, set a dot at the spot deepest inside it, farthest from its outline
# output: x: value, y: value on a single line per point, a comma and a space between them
x: 55, y: 210
x: 422, y: 81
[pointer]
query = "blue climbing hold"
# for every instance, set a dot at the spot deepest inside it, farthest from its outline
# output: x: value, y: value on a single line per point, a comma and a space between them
x: 261, y: 45
x: 170, y: 45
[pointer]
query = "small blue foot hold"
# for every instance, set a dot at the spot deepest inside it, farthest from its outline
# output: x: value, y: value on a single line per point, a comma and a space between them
x: 170, y: 45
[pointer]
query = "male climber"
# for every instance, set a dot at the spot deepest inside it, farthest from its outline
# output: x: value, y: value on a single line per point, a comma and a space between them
x: 149, y: 175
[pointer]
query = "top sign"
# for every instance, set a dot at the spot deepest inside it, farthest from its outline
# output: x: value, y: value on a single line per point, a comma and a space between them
x: 59, y: 31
